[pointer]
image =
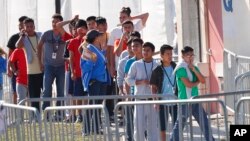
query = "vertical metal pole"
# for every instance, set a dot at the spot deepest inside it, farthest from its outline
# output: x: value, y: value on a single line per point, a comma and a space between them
x: 99, y: 8
x: 58, y: 6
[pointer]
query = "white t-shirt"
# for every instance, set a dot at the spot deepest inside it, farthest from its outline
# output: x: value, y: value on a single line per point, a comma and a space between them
x: 116, y: 33
x: 141, y: 70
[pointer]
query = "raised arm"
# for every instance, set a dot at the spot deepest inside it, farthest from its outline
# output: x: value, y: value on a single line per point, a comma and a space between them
x: 60, y: 25
x: 19, y: 43
x: 143, y: 17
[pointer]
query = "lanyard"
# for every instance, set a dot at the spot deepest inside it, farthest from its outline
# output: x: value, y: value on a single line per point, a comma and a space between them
x: 146, y: 68
x: 55, y: 40
x: 173, y: 85
x: 32, y: 44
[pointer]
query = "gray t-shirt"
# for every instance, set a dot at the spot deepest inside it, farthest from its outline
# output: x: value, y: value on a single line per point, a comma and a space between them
x: 53, y: 49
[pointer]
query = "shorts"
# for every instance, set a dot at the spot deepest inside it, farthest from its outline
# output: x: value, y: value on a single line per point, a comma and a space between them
x: 13, y: 83
x: 78, y: 87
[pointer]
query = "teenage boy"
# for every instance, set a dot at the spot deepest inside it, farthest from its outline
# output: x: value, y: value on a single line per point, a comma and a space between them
x: 145, y: 116
x: 188, y: 77
x: 137, y: 50
x: 75, y: 56
x: 91, y: 22
x: 12, y: 45
x: 29, y: 40
x: 163, y: 82
x: 18, y: 65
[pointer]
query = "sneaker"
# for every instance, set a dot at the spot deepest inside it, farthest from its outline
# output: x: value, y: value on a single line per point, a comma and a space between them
x: 79, y: 119
x: 85, y: 134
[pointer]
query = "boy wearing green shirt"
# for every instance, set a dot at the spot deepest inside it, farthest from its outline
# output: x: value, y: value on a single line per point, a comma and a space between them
x: 188, y: 77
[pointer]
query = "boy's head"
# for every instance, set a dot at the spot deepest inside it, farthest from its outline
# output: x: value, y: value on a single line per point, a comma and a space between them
x: 148, y: 50
x: 91, y: 22
x: 81, y: 27
x: 129, y: 47
x: 21, y: 19
x: 166, y: 52
x: 29, y: 26
x: 188, y: 54
x: 55, y: 19
x: 127, y: 26
x: 135, y: 34
x: 137, y: 45
x: 102, y: 25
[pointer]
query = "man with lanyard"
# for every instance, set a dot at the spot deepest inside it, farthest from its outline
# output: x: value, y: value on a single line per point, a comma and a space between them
x: 52, y: 46
x: 29, y: 40
x: 144, y: 115
x: 163, y: 82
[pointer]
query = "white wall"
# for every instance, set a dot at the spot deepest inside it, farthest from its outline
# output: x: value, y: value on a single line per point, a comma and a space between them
x: 40, y: 10
x: 159, y: 28
x: 236, y: 29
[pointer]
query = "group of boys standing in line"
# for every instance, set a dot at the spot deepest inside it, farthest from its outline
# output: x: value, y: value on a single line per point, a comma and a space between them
x: 93, y: 59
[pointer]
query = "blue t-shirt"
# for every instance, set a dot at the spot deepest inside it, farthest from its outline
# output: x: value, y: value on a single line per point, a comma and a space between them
x: 128, y: 64
x: 168, y: 81
x: 126, y: 70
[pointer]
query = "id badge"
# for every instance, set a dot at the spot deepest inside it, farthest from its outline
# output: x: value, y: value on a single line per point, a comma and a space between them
x: 53, y: 55
x: 173, y: 88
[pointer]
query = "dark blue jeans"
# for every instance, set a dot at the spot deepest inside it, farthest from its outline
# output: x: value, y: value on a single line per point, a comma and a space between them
x: 52, y: 73
x: 200, y: 116
x: 96, y: 88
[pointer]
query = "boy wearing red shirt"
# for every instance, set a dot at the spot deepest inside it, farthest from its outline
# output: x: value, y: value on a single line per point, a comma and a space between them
x: 74, y: 55
x: 17, y: 63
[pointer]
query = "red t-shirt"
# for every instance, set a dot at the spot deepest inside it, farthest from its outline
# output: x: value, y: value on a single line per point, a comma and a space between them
x: 66, y: 36
x: 73, y: 46
x: 124, y: 45
x: 18, y: 58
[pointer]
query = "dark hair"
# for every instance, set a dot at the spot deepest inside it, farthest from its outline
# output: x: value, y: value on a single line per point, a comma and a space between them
x: 126, y: 10
x: 22, y: 18
x: 135, y: 34
x: 92, y: 35
x: 57, y: 16
x: 137, y: 40
x: 150, y: 45
x: 128, y: 22
x: 100, y: 20
x: 28, y: 20
x: 81, y: 23
x: 91, y: 18
x: 165, y: 47
x: 130, y: 41
x: 186, y: 49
